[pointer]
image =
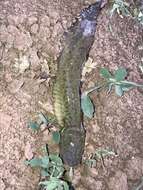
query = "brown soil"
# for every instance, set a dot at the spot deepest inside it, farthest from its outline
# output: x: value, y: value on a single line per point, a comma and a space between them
x: 30, y: 33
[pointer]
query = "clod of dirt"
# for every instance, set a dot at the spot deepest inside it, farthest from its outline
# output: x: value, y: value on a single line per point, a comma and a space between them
x: 2, y: 185
x: 32, y: 20
x: 92, y: 184
x: 118, y: 181
x: 46, y: 21
x: 28, y: 151
x: 22, y: 63
x: 16, y: 19
x: 15, y: 85
x: 23, y: 41
x: 134, y: 168
x: 34, y: 60
x: 34, y: 28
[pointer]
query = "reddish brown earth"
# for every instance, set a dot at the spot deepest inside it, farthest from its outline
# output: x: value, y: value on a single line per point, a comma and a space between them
x: 30, y: 33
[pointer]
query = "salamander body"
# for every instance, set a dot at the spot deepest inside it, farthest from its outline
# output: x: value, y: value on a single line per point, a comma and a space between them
x: 78, y: 42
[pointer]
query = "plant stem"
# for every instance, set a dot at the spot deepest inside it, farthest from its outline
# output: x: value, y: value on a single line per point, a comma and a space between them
x: 95, y: 88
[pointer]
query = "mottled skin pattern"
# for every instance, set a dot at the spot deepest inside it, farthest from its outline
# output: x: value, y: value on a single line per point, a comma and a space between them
x: 78, y: 42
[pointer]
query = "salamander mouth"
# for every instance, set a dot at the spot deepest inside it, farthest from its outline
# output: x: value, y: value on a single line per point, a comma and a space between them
x: 92, y: 11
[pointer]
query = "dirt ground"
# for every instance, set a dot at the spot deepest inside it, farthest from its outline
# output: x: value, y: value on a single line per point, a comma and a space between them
x: 30, y: 39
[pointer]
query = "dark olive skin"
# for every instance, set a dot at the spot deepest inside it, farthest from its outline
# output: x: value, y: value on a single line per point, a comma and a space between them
x: 78, y: 42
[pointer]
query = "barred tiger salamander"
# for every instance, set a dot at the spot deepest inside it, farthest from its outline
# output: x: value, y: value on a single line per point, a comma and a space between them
x: 66, y: 92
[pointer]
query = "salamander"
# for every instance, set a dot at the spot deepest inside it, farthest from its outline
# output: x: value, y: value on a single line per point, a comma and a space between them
x: 66, y: 91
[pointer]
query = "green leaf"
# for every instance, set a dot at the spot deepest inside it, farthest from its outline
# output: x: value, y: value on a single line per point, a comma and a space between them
x: 114, y: 8
x: 56, y: 137
x: 126, y: 87
x: 105, y: 73
x: 56, y: 159
x: 87, y: 106
x: 118, y: 90
x: 44, y: 173
x: 38, y: 162
x: 90, y: 162
x: 65, y: 185
x: 34, y: 126
x: 50, y: 185
x: 45, y: 162
x: 56, y: 168
x: 35, y: 162
x: 101, y: 153
x: 120, y: 74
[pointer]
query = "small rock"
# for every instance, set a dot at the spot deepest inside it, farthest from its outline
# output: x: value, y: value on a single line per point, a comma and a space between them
x: 12, y: 33
x: 88, y: 67
x: 57, y: 30
x: 45, y: 20
x: 47, y: 135
x: 3, y: 33
x: 23, y: 41
x: 10, y: 41
x: 34, y: 28
x: 23, y: 63
x: 32, y: 20
x: 34, y: 60
x: 44, y: 33
x: 8, y: 77
x: 93, y: 172
x: 28, y: 151
x: 2, y: 158
x: 118, y: 182
x: 140, y: 47
x: 54, y: 15
x: 16, y: 20
x: 5, y: 120
x: 93, y: 184
x: 2, y: 185
x: 15, y: 85
x: 95, y: 127
x: 45, y: 67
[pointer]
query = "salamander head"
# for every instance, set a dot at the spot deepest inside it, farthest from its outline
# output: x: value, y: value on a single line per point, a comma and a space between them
x: 92, y: 11
x: 89, y: 18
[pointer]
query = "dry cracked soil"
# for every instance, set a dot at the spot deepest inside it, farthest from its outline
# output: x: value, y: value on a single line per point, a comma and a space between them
x: 30, y: 42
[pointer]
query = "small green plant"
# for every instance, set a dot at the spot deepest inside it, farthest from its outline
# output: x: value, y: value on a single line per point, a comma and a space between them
x: 52, y: 170
x: 42, y: 119
x: 35, y: 125
x: 99, y: 155
x: 123, y: 8
x: 138, y: 15
x: 117, y: 81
